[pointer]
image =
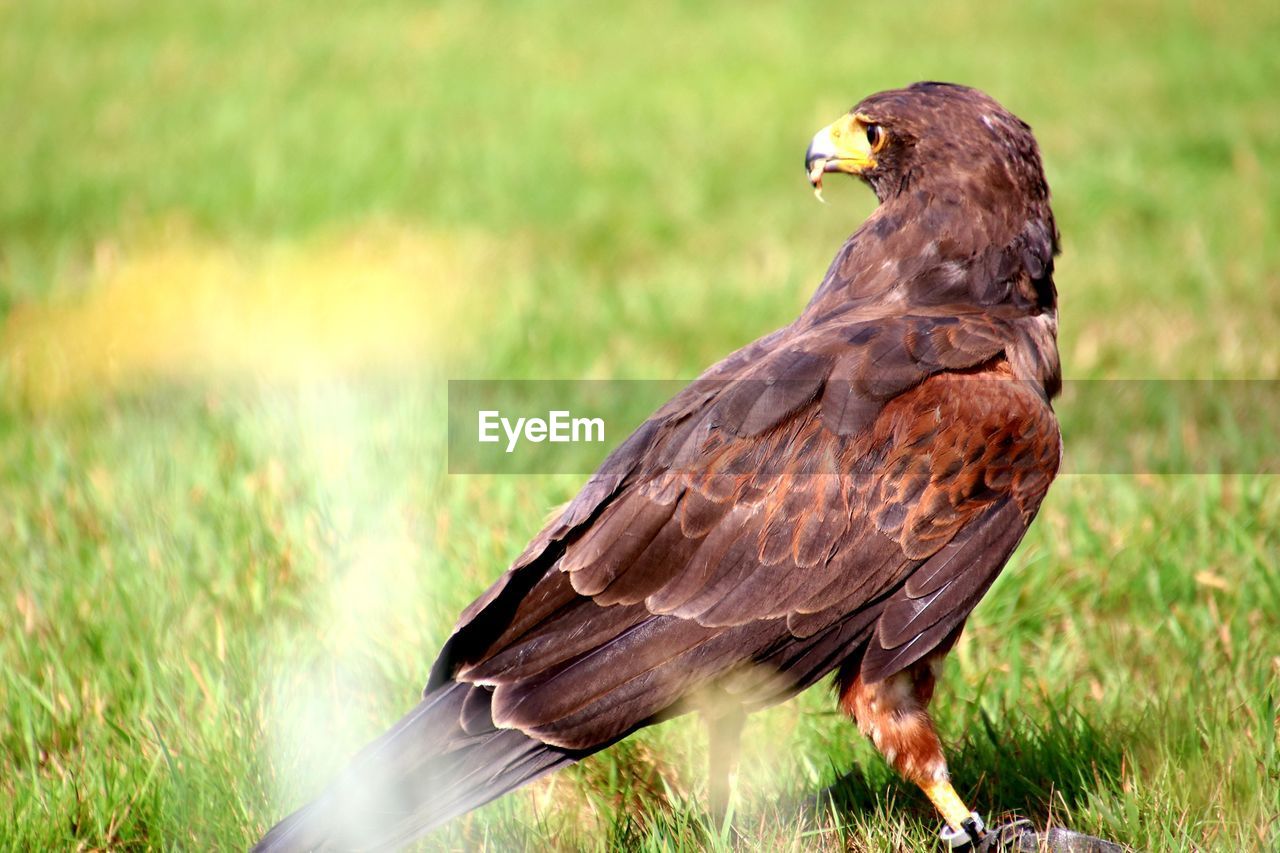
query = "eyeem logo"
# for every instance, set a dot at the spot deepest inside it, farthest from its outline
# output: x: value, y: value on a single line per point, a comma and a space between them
x: 559, y: 426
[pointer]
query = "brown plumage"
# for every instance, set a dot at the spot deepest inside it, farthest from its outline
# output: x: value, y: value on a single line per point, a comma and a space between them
x: 836, y: 496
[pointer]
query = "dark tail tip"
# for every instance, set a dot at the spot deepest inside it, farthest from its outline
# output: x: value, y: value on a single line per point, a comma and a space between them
x: 422, y: 773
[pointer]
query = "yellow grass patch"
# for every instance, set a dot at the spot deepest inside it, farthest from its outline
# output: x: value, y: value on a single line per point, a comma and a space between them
x: 185, y: 308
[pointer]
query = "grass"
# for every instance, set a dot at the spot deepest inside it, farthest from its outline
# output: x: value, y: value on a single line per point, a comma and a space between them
x: 242, y: 247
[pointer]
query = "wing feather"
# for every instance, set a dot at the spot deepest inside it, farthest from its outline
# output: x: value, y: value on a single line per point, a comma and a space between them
x: 856, y: 494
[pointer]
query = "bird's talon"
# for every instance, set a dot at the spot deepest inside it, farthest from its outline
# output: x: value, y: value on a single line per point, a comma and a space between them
x: 971, y: 833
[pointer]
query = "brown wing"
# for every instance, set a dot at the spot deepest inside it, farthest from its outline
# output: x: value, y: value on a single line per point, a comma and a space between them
x: 755, y: 532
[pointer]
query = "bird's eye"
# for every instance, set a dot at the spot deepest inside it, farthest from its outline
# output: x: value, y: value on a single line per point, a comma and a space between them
x: 875, y: 136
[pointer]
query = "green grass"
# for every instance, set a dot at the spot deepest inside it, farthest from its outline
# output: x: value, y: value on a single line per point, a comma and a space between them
x: 229, y: 546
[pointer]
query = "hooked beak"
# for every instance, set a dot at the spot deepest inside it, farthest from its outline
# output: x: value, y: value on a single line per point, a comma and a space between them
x: 841, y: 146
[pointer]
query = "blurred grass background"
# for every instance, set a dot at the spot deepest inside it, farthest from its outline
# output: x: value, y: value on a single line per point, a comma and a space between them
x: 243, y: 245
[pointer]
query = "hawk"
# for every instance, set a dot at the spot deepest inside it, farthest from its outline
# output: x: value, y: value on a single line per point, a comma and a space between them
x: 834, y: 497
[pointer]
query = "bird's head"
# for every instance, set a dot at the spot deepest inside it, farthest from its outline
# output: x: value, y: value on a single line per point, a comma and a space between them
x: 938, y: 137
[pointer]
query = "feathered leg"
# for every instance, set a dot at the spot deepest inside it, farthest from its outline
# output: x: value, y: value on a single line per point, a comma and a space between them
x: 893, y: 713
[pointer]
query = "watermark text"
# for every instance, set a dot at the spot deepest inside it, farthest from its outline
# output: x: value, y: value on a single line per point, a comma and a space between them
x: 559, y: 426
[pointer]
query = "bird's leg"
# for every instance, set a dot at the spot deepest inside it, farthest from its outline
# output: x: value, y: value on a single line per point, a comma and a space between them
x: 893, y: 713
x: 724, y: 738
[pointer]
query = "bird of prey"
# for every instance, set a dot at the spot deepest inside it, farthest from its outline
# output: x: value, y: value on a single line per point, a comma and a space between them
x: 834, y: 497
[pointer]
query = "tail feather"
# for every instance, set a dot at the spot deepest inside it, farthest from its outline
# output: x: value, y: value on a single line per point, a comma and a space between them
x: 423, y: 772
